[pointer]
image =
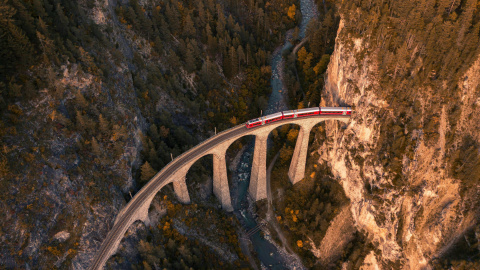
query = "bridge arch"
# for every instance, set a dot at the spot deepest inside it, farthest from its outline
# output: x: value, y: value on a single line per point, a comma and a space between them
x: 176, y: 171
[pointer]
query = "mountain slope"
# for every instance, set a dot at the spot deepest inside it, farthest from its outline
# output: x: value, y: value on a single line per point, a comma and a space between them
x: 409, y: 159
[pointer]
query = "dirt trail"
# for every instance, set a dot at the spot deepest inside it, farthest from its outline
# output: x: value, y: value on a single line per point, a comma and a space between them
x: 271, y: 216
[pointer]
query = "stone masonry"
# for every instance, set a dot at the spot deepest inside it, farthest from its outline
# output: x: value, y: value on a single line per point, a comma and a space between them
x: 258, y: 177
x: 258, y: 181
x: 137, y: 209
x: 220, y: 180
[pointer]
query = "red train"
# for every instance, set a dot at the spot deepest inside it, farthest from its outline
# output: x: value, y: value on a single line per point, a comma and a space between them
x: 299, y: 113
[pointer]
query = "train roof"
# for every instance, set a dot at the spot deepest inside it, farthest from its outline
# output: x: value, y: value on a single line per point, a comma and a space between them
x: 335, y: 109
x: 274, y: 115
x: 253, y: 120
x: 314, y: 109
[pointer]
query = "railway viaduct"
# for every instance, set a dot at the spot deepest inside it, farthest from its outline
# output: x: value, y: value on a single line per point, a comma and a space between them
x: 175, y: 172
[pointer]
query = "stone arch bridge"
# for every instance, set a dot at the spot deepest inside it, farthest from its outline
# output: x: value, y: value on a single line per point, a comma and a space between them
x: 176, y: 171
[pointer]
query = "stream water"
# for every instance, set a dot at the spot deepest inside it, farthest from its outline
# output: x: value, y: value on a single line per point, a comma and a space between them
x: 267, y: 253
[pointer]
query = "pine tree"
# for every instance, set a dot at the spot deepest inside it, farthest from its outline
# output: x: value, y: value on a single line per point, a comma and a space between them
x: 96, y: 147
x: 80, y: 100
x: 62, y: 23
x: 226, y: 65
x: 158, y: 45
x: 153, y: 132
x: 173, y: 18
x: 104, y: 125
x: 230, y: 23
x: 211, y: 41
x: 248, y: 54
x: 14, y: 90
x: 233, y: 61
x: 147, y: 172
x: 46, y: 44
x: 80, y: 121
x: 146, y: 266
x: 188, y: 27
x: 220, y: 22
x: 15, y: 48
x: 26, y: 21
x: 241, y: 55
x: 190, y: 58
x: 38, y: 8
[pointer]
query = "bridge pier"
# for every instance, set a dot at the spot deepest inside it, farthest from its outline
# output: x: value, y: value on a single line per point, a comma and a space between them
x: 258, y: 177
x: 181, y: 191
x: 299, y: 159
x: 220, y: 180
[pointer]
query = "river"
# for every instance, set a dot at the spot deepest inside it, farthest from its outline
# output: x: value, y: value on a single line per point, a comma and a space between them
x: 268, y: 254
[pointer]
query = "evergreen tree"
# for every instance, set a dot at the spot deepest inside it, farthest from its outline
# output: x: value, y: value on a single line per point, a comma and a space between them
x: 227, y: 65
x: 153, y: 132
x: 25, y: 19
x: 15, y: 48
x: 38, y: 9
x: 201, y: 18
x: 62, y: 20
x: 220, y: 22
x: 80, y: 100
x: 80, y: 121
x: 173, y: 18
x: 190, y: 58
x: 188, y: 27
x: 158, y: 45
x: 104, y: 125
x: 241, y: 55
x: 233, y: 62
x: 96, y: 147
x: 164, y: 131
x: 147, y: 172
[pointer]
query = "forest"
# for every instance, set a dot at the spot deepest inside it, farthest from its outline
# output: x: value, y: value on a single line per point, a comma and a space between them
x: 305, y: 69
x: 95, y: 98
x: 84, y: 87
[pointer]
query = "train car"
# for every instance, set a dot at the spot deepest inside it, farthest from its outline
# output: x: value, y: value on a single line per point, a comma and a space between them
x: 264, y: 120
x: 288, y: 114
x: 298, y: 113
x: 254, y: 122
x: 272, y: 118
x: 307, y: 112
x: 335, y: 110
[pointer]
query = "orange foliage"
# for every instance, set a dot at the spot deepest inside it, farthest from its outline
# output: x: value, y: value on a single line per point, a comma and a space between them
x: 299, y: 243
x: 291, y: 12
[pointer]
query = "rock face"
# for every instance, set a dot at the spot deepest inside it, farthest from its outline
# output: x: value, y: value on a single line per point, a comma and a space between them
x: 419, y: 211
x: 336, y: 238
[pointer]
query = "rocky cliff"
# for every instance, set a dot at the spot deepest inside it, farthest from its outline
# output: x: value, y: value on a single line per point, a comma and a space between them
x: 408, y: 160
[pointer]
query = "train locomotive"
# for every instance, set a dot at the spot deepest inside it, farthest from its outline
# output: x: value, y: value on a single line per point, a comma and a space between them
x: 298, y: 113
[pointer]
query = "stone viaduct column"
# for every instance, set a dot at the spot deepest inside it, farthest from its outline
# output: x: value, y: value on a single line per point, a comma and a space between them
x: 180, y: 188
x: 297, y: 167
x: 220, y: 180
x: 258, y: 177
